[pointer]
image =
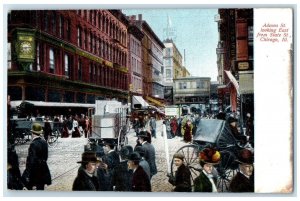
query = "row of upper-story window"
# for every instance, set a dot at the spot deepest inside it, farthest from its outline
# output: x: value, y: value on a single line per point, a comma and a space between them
x: 136, y: 65
x: 105, y: 23
x: 135, y: 47
x: 192, y: 85
x: 53, y: 61
x: 100, y: 47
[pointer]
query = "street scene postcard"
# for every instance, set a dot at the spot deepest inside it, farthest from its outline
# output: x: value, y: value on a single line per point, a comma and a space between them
x: 189, y: 100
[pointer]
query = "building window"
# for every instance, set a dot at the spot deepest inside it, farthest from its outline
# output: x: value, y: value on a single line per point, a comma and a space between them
x: 182, y: 85
x: 67, y: 65
x: 79, y: 39
x: 53, y: 23
x: 38, y: 66
x: 79, y: 70
x: 168, y: 73
x: 68, y: 29
x: 61, y: 26
x: 9, y: 55
x: 46, y: 22
x: 51, y: 61
x: 91, y: 72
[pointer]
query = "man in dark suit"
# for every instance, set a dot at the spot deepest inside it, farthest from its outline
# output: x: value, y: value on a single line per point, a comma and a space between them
x: 140, y: 180
x: 86, y: 179
x: 243, y: 181
x: 182, y: 179
x: 206, y: 181
x: 121, y: 175
x: 112, y: 157
x: 149, y: 152
x: 37, y: 172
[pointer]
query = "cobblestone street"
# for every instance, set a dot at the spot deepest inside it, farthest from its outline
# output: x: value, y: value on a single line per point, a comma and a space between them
x: 63, y: 159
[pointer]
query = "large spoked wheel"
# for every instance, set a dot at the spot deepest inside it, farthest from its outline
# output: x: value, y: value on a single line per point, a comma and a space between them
x: 52, y: 139
x: 227, y: 168
x: 190, y: 153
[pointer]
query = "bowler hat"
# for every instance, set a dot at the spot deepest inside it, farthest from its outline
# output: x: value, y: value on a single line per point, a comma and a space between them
x: 179, y: 155
x: 109, y: 143
x: 140, y: 150
x: 37, y: 129
x: 134, y: 157
x: 231, y: 119
x: 245, y: 156
x: 143, y: 134
x: 89, y: 156
x: 210, y: 155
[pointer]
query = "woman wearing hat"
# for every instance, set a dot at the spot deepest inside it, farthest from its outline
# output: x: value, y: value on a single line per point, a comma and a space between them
x: 206, y: 181
x: 182, y: 179
x: 243, y: 181
x: 37, y: 172
x: 86, y: 179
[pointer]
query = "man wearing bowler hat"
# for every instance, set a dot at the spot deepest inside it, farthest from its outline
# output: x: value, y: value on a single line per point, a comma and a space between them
x: 37, y: 172
x: 206, y: 181
x: 140, y: 180
x: 149, y: 152
x: 243, y: 181
x: 86, y: 179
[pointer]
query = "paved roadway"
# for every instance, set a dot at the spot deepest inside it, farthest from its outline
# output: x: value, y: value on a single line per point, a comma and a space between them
x: 63, y: 159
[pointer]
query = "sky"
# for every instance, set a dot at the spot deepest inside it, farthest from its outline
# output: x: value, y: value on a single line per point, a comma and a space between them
x: 196, y: 33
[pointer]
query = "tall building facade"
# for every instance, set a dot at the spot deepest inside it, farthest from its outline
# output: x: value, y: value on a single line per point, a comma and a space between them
x: 135, y: 58
x: 152, y: 64
x: 173, y: 69
x: 67, y: 56
x: 235, y: 59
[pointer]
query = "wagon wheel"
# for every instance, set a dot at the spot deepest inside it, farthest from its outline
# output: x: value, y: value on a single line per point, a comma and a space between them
x: 190, y: 153
x: 226, y: 170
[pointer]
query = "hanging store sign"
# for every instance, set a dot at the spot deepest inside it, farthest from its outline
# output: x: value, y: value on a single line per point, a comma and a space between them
x: 25, y: 46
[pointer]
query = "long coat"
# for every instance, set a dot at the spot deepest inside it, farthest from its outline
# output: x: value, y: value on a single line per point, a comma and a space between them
x: 240, y: 183
x: 187, y: 137
x: 202, y: 183
x: 140, y: 180
x: 150, y: 157
x: 84, y: 182
x: 36, y: 163
x: 122, y: 177
x: 182, y: 179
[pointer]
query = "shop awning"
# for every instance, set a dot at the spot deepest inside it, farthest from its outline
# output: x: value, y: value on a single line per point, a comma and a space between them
x: 15, y: 104
x: 138, y: 102
x: 156, y: 102
x: 233, y: 81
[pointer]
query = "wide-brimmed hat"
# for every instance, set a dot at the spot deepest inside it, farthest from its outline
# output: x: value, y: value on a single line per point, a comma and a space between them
x: 143, y: 134
x: 134, y: 157
x: 245, y: 156
x: 89, y: 156
x: 37, y: 129
x: 178, y: 155
x: 231, y: 119
x: 109, y: 143
x: 210, y: 155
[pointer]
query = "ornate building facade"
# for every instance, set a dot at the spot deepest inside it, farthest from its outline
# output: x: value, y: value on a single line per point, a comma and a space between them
x: 67, y: 56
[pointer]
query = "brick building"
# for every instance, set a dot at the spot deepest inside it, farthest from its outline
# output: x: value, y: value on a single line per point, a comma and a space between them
x: 235, y: 59
x: 67, y: 56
